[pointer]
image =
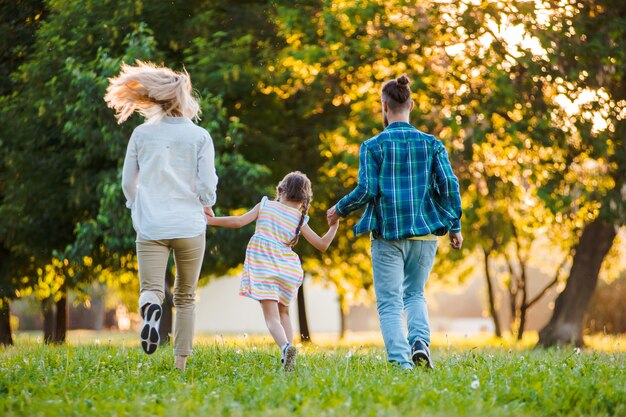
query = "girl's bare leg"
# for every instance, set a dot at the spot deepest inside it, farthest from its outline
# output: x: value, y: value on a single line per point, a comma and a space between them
x: 273, y: 322
x: 285, y: 321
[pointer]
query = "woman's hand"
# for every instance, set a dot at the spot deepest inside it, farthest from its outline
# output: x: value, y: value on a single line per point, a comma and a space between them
x: 208, y: 213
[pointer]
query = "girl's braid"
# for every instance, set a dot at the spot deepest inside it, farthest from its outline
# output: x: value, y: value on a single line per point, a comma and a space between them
x: 304, y: 210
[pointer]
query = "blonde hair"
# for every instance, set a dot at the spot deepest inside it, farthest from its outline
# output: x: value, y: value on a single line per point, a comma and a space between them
x: 152, y: 91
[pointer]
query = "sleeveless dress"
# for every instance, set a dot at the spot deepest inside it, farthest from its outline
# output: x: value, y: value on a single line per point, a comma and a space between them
x: 272, y: 270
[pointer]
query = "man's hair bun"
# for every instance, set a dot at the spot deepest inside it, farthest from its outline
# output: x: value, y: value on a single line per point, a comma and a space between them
x: 403, y: 80
x: 397, y: 93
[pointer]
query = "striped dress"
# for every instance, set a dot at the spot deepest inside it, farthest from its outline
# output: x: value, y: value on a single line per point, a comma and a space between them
x: 272, y: 270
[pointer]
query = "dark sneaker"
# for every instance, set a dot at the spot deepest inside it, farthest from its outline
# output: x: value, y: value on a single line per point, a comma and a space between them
x: 420, y: 354
x: 289, y: 358
x: 150, y: 330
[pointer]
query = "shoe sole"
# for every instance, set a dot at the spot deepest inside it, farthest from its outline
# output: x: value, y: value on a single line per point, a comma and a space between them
x: 421, y: 358
x: 150, y: 331
x: 290, y: 359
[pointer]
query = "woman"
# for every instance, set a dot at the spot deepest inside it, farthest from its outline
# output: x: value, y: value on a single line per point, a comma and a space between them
x: 169, y: 181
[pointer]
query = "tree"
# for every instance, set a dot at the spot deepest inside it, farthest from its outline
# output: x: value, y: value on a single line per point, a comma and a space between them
x: 18, y: 23
x: 589, y: 60
x: 571, y: 107
x: 55, y: 153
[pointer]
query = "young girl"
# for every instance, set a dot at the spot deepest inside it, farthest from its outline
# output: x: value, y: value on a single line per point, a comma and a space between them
x: 272, y: 272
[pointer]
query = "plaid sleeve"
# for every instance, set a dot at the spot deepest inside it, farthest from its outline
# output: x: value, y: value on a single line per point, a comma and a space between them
x: 366, y: 189
x: 448, y: 187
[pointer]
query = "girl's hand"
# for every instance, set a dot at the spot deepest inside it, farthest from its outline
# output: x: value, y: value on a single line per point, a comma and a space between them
x: 231, y: 221
x: 320, y: 243
x: 332, y: 216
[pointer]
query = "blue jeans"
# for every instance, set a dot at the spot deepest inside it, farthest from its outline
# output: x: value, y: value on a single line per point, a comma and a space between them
x: 401, y: 269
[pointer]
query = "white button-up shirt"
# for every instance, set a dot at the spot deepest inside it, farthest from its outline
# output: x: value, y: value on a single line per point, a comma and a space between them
x: 168, y: 177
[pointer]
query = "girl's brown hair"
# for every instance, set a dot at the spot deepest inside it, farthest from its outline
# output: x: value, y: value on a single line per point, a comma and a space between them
x: 296, y: 187
x: 152, y: 91
x: 397, y: 93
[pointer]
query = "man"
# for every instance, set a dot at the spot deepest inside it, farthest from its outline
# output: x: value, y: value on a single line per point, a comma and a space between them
x: 412, y: 196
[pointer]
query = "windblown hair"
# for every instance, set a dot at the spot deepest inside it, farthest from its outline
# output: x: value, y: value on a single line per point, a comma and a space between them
x: 296, y: 187
x: 397, y: 93
x: 152, y: 91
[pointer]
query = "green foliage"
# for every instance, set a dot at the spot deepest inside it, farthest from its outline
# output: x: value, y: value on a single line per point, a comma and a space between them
x: 61, y: 171
x: 237, y: 380
x: 286, y: 88
x: 18, y: 22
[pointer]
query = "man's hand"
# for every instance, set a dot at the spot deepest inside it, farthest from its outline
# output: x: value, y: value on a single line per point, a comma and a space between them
x: 332, y: 216
x: 456, y: 240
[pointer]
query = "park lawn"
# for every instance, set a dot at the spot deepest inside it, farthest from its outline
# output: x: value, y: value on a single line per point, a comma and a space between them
x: 242, y: 376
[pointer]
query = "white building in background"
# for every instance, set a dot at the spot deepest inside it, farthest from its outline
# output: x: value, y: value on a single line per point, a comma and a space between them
x: 221, y: 310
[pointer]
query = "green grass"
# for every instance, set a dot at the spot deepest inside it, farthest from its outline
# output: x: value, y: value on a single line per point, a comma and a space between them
x: 241, y: 377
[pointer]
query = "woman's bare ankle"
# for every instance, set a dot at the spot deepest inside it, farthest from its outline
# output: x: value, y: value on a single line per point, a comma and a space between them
x: 180, y: 362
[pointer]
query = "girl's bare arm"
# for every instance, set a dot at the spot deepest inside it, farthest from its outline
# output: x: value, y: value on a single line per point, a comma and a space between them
x: 235, y: 222
x: 319, y: 243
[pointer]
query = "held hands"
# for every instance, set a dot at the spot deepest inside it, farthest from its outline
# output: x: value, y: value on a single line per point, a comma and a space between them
x: 332, y: 216
x: 456, y: 240
x: 208, y: 213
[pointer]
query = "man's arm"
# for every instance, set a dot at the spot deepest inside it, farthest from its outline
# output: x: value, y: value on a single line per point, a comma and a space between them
x: 448, y: 188
x: 367, y: 187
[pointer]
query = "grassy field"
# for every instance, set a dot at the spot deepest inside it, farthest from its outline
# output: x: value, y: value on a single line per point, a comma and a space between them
x: 108, y: 375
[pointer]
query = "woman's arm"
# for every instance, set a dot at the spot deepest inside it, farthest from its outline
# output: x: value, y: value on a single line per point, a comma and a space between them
x: 130, y: 172
x: 235, y: 222
x: 207, y: 177
x: 319, y: 243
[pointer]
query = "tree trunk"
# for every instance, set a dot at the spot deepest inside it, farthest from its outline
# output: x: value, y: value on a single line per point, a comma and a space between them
x: 165, y: 327
x: 523, y: 309
x: 62, y: 319
x: 513, y: 288
x: 342, y: 318
x: 49, y: 325
x: 522, y: 321
x: 303, y: 323
x: 492, y: 303
x: 6, y: 337
x: 566, y: 324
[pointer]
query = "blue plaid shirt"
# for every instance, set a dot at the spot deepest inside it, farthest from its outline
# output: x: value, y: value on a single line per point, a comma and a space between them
x: 407, y: 183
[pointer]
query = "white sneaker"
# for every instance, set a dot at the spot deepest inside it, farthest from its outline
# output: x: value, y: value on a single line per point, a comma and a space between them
x: 150, y: 330
x: 289, y: 358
